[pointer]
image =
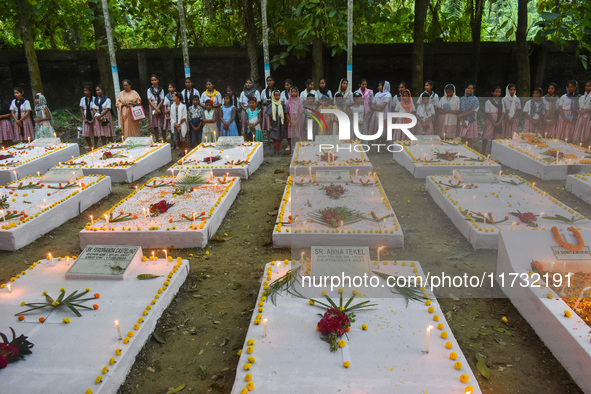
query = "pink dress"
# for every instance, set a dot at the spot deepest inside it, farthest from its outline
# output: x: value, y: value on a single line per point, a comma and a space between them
x: 583, y: 126
x: 566, y: 129
x: 26, y: 131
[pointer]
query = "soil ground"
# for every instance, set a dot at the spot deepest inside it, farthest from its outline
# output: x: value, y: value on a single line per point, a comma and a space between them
x: 207, y: 322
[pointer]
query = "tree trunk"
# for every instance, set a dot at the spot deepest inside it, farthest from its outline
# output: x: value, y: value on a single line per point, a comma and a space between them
x: 541, y: 68
x: 24, y: 19
x: 418, y: 46
x: 102, y: 56
x: 522, y: 51
x: 317, y: 60
x: 476, y: 25
x: 183, y: 27
x: 265, y: 39
x: 252, y: 47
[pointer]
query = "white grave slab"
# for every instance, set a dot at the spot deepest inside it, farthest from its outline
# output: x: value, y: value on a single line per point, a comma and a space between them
x: 67, y: 358
x: 303, y: 199
x: 441, y: 158
x: 310, y: 157
x: 427, y: 139
x: 46, y: 212
x: 234, y: 161
x: 519, y: 196
x: 105, y: 262
x: 46, y: 142
x: 580, y: 186
x: 475, y: 176
x: 529, y: 158
x: 56, y: 175
x: 388, y: 357
x: 567, y: 338
x: 22, y: 160
x: 138, y: 141
x: 176, y: 227
x: 129, y: 162
x: 229, y: 141
x: 324, y: 176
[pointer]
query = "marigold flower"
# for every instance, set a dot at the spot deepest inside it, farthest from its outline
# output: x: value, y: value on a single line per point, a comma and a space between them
x: 41, y: 319
x: 98, y: 379
x: 97, y: 295
x: 248, y: 377
x: 66, y: 320
x: 346, y: 364
x: 246, y: 366
x: 105, y: 369
x: 464, y: 378
x: 95, y: 306
x: 364, y: 327
x: 21, y: 318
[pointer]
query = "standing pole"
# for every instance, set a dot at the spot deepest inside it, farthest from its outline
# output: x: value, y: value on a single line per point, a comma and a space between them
x: 265, y: 39
x: 112, y: 57
x: 184, y: 38
x: 349, y: 42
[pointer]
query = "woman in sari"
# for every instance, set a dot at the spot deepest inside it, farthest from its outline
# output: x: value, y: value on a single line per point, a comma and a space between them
x: 127, y: 99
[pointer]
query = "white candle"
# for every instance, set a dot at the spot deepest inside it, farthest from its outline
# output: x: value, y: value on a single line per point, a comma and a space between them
x: 91, y: 220
x: 9, y: 287
x: 310, y: 171
x: 153, y: 256
x: 485, y: 215
x: 107, y: 220
x: 3, y: 217
x: 243, y: 154
x: 145, y: 219
x: 92, y: 157
x: 29, y: 140
x: 15, y: 176
x: 44, y: 203
x: 473, y: 199
x: 427, y: 339
x: 379, y: 250
x: 265, y: 326
x: 118, y: 329
x: 302, y: 258
x: 50, y: 258
x: 194, y: 213
x: 356, y: 172
x: 165, y: 254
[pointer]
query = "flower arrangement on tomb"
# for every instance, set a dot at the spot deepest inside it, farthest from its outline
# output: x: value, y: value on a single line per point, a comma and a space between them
x: 336, y: 217
x: 333, y: 191
x: 73, y: 302
x: 211, y: 159
x: 526, y: 217
x: 327, y: 156
x: 14, y: 350
x: 159, y: 208
x: 448, y: 156
x: 4, y: 157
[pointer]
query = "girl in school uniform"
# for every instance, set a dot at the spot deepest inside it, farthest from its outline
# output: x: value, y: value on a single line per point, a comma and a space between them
x: 469, y: 107
x: 295, y: 109
x: 88, y: 118
x: 215, y: 97
x: 189, y: 92
x: 367, y: 95
x: 534, y: 111
x: 6, y: 129
x: 551, y: 119
x: 167, y: 103
x: 381, y: 104
x: 323, y: 90
x: 286, y: 94
x: 402, y: 86
x: 448, y: 110
x: 266, y: 99
x: 331, y: 119
x: 308, y: 90
x: 248, y: 92
x: 255, y: 117
x: 512, y: 107
x: 358, y: 108
x: 309, y: 105
x: 101, y: 109
x: 493, y: 126
x: 279, y: 118
x: 43, y: 119
x: 155, y: 107
x: 425, y: 115
x: 21, y: 113
x: 195, y: 117
x: 431, y: 88
x: 568, y: 107
x: 345, y: 92
x: 229, y: 128
x: 178, y: 121
x: 405, y: 105
x: 583, y: 126
x: 210, y: 127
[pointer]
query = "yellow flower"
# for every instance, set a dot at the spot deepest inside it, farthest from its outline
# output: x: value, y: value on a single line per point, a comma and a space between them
x: 568, y: 313
x: 118, y: 352
x: 89, y: 391
x: 250, y: 386
x: 346, y: 364
x: 505, y: 320
x: 126, y: 340
x: 342, y: 343
x: 66, y: 320
x: 244, y: 391
x: 130, y: 334
x: 44, y: 293
x: 88, y: 289
x: 239, y: 352
x: 364, y: 326
x: 436, y: 317
x: 98, y: 379
x: 250, y: 342
x: 140, y: 320
x: 453, y: 355
x: 136, y: 326
x: 311, y: 302
x: 430, y: 309
x: 246, y: 366
x: 444, y: 334
x: 251, y: 359
x: 464, y: 378
x: 23, y: 303
x: 341, y: 290
x: 458, y: 365
x: 105, y: 369
x: 62, y: 289
x: 248, y: 377
x: 249, y: 349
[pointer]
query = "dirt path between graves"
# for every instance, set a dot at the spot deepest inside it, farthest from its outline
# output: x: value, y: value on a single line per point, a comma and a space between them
x: 207, y: 322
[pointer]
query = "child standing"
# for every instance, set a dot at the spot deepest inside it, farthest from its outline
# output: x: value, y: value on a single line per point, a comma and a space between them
x: 358, y: 109
x: 323, y: 90
x: 168, y: 99
x: 381, y: 104
x: 493, y: 126
x: 229, y: 128
x: 331, y: 119
x: 254, y: 115
x: 286, y: 94
x: 195, y: 116
x: 215, y: 97
x: 210, y: 127
x: 345, y: 92
x: 405, y: 105
x: 308, y: 90
x: 469, y: 107
x: 568, y: 106
x: 583, y: 127
x: 178, y: 121
x: 6, y: 131
x: 367, y: 95
x: 278, y: 117
x: 425, y: 115
x: 88, y: 118
x: 449, y: 108
x: 295, y: 109
x: 248, y: 92
x: 101, y: 108
x: 266, y: 99
x: 156, y: 102
x: 43, y: 119
x: 189, y: 92
x: 512, y: 106
x: 551, y: 118
x: 534, y: 111
x: 21, y: 113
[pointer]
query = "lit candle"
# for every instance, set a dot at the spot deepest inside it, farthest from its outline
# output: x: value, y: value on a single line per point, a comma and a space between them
x: 9, y: 287
x: 513, y: 224
x: 68, y: 260
x: 194, y: 215
x: 379, y: 250
x: 302, y: 258
x: 38, y: 173
x: 546, y: 135
x: 29, y: 140
x: 214, y: 137
x: 444, y: 136
x: 50, y: 258
x: 118, y: 329
x: 44, y: 203
x: 3, y: 217
x: 265, y: 326
x: 165, y: 254
x: 15, y: 177
x: 153, y: 256
x: 107, y: 220
x: 356, y: 172
x: 533, y: 186
x: 92, y: 158
x: 91, y: 220
x: 427, y: 339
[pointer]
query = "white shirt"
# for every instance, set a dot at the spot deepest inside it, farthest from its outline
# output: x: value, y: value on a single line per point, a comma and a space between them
x: 83, y: 102
x: 154, y: 98
x: 585, y: 101
x: 319, y: 95
x: 244, y: 98
x: 491, y: 109
x: 565, y: 102
x: 26, y: 106
x: 185, y: 93
x: 177, y: 118
x: 217, y: 99
x: 304, y: 94
x: 264, y: 95
x: 106, y: 104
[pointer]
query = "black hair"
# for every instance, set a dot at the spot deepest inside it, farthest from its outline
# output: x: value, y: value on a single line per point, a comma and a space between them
x: 230, y: 87
x: 210, y: 81
x: 572, y: 82
x: 357, y: 94
x: 495, y: 88
x: 126, y: 81
x: 432, y: 83
x: 425, y: 95
x: 188, y: 79
x: 511, y: 85
x: 554, y: 85
x: 86, y: 87
x: 19, y: 89
x: 289, y: 81
x: 339, y: 95
x: 271, y: 78
x: 101, y: 87
x: 539, y: 90
x: 362, y: 80
x: 403, y: 84
x: 172, y: 84
x: 308, y: 82
x: 252, y: 98
x: 178, y: 95
x: 382, y: 82
x: 311, y: 95
x: 228, y: 96
x: 154, y: 76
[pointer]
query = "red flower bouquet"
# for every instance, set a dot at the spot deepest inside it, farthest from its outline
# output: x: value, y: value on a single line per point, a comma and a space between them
x: 106, y: 155
x: 332, y: 326
x: 526, y: 217
x: 334, y: 191
x: 160, y: 207
x: 4, y: 157
x: 14, y: 350
x: 211, y: 159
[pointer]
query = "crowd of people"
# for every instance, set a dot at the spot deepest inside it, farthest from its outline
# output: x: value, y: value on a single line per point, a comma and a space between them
x: 192, y: 117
